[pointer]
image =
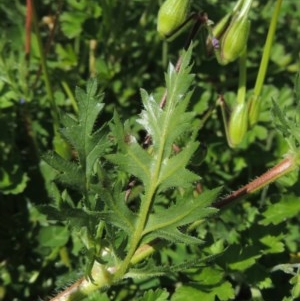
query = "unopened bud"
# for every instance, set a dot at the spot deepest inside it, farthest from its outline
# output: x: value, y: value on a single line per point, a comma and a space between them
x: 171, y: 16
x: 238, y: 123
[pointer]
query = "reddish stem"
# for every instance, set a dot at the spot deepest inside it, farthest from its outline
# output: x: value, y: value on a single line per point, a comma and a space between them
x: 282, y: 168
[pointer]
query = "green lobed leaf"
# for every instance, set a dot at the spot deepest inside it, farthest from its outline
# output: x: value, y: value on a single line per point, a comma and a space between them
x: 179, y: 125
x: 173, y: 172
x: 81, y: 133
x: 117, y: 212
x: 111, y: 218
x: 210, y: 278
x: 118, y: 133
x: 224, y: 292
x: 97, y: 144
x: 178, y: 83
x: 172, y: 235
x: 53, y: 236
x: 69, y: 173
x: 152, y: 117
x: 13, y: 181
x: 89, y: 143
x: 288, y: 207
x: 241, y: 260
x: 51, y: 212
x: 287, y: 124
x: 152, y: 270
x: 89, y: 104
x: 157, y: 295
x: 274, y: 243
x: 207, y: 283
x: 182, y: 213
x: 70, y: 28
x: 186, y: 292
x: 165, y: 125
x: 282, y: 124
x: 135, y: 162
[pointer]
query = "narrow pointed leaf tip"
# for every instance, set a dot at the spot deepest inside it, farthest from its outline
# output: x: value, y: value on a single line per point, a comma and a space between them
x: 160, y: 123
x: 166, y: 224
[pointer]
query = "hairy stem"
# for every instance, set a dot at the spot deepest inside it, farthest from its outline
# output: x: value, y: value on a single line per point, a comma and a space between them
x: 282, y: 168
x: 137, y: 235
x: 241, y: 95
x: 84, y: 286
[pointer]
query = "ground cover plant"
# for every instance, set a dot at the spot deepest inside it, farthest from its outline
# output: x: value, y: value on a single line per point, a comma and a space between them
x: 149, y: 150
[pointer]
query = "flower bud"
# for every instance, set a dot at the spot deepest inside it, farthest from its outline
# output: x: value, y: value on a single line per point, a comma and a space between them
x: 171, y: 16
x: 232, y: 32
x: 238, y: 123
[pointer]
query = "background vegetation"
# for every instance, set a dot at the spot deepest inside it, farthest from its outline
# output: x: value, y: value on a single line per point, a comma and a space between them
x: 117, y: 42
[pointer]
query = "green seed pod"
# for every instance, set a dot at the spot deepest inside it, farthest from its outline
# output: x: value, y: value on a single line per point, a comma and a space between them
x: 238, y: 123
x: 232, y: 33
x: 171, y: 16
x: 234, y: 41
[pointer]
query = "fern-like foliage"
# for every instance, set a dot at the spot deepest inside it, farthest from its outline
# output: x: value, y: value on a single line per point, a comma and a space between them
x: 160, y: 168
x: 166, y: 203
x: 84, y: 173
x: 89, y: 143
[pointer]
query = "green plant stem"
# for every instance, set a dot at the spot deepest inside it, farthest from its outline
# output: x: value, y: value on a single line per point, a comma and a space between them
x: 54, y: 110
x: 164, y: 55
x: 84, y: 286
x: 146, y: 250
x: 154, y: 183
x: 70, y: 95
x: 255, y: 99
x: 282, y: 168
x: 221, y: 102
x: 145, y: 207
x: 137, y: 235
x: 241, y: 95
x: 267, y: 50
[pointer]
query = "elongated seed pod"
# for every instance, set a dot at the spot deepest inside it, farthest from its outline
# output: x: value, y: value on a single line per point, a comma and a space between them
x: 232, y: 33
x: 171, y: 15
x: 238, y: 124
x: 234, y: 40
